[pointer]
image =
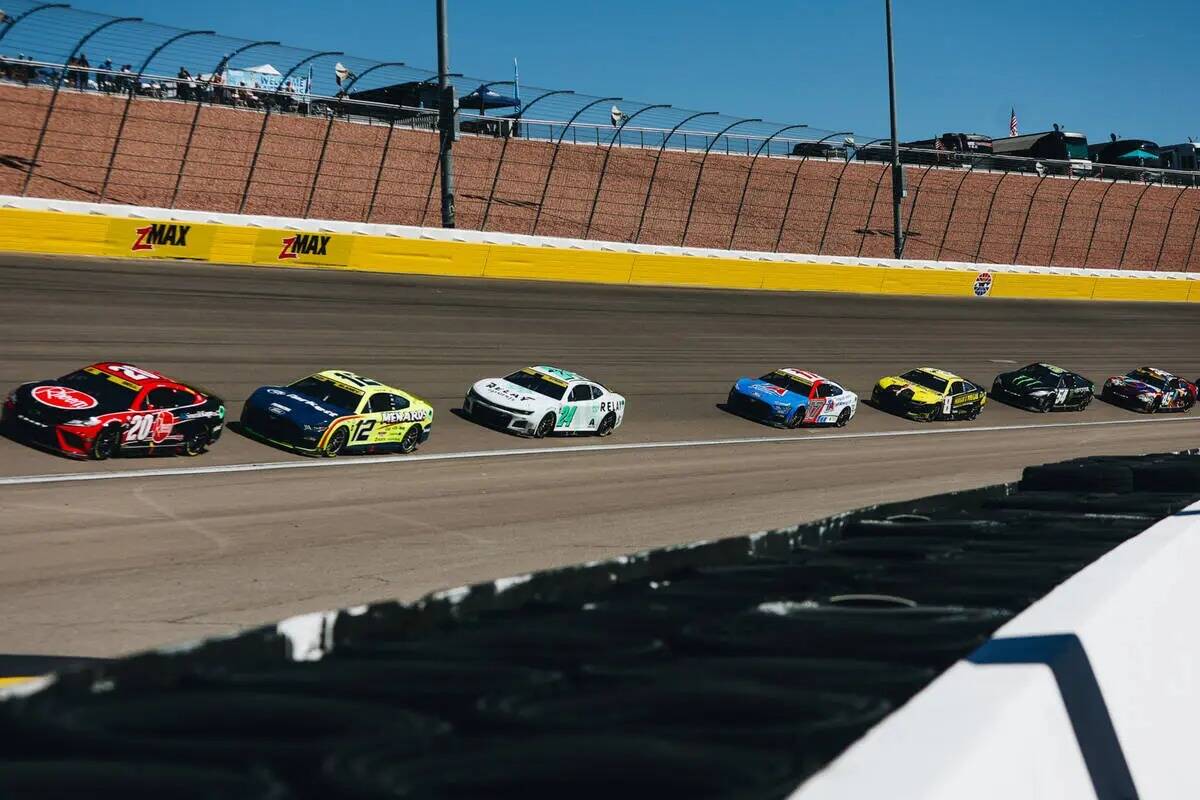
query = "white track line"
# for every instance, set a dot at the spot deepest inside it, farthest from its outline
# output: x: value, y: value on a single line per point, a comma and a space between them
x: 354, y: 461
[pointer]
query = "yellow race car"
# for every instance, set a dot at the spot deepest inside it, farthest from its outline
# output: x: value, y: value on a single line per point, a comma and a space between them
x: 335, y: 412
x: 927, y: 394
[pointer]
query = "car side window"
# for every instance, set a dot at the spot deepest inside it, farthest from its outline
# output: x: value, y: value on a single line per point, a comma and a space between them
x: 581, y: 392
x: 398, y: 402
x: 380, y: 401
x: 164, y: 397
x: 828, y: 390
x: 597, y: 392
x: 957, y: 387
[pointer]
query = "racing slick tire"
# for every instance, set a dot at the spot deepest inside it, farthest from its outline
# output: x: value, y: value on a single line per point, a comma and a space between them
x: 843, y: 418
x: 106, y: 443
x: 411, y: 438
x: 607, y: 424
x: 196, y: 443
x: 337, y: 442
x: 1047, y: 404
x: 1152, y: 407
x: 545, y: 427
x: 796, y: 418
x: 974, y: 412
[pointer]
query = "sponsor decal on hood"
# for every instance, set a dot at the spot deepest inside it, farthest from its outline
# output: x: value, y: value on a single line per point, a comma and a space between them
x: 505, y: 393
x: 293, y: 397
x: 770, y: 393
x: 64, y: 398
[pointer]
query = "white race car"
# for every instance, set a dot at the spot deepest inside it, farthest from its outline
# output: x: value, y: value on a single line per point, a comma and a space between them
x: 538, y: 401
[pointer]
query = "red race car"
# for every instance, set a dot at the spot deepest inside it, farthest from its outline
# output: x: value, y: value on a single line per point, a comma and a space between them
x: 1149, y: 389
x: 111, y: 408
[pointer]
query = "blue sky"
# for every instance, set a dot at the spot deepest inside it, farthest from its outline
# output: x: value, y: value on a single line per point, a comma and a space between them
x: 960, y: 66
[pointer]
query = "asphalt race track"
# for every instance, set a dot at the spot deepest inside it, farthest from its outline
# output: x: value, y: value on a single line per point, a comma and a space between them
x: 170, y: 549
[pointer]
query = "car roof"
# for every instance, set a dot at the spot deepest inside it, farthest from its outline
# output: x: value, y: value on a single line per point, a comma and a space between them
x: 1155, y: 371
x: 804, y: 375
x: 343, y: 377
x: 941, y: 373
x: 560, y: 374
x: 111, y: 369
x: 1051, y: 367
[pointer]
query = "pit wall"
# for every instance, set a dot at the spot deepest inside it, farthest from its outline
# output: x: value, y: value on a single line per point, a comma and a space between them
x: 1091, y: 692
x: 180, y: 155
x: 92, y: 229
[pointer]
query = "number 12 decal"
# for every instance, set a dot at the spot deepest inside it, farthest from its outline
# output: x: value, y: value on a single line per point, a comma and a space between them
x: 363, y: 432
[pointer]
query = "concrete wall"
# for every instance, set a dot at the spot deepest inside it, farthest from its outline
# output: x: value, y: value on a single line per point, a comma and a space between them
x: 834, y: 208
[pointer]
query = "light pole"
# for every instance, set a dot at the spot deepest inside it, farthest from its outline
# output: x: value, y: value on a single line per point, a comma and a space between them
x: 897, y: 170
x: 446, y: 123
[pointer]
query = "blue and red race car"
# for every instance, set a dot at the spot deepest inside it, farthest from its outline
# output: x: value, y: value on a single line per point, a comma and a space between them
x: 791, y: 398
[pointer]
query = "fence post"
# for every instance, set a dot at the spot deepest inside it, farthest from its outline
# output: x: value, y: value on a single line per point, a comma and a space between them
x: 604, y: 167
x: 1025, y: 224
x: 1167, y: 230
x: 345, y: 93
x: 700, y: 173
x: 1129, y: 231
x: 654, y: 171
x: 912, y: 209
x: 554, y: 157
x: 262, y: 131
x: 988, y: 219
x: 1096, y: 222
x: 137, y: 81
x: 837, y: 188
x: 514, y: 130
x: 187, y: 147
x: 1061, y: 219
x: 746, y: 185
x: 953, y: 205
x: 62, y: 74
x: 387, y: 143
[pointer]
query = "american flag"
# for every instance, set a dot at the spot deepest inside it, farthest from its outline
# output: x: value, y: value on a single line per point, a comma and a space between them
x: 1012, y: 122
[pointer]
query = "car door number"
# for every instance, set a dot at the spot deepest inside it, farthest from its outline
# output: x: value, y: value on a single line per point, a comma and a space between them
x: 1060, y: 396
x: 947, y: 404
x: 363, y: 431
x: 566, y: 415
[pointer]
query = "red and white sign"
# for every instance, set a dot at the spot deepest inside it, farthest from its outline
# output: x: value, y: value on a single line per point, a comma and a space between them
x: 63, y: 397
x: 983, y: 284
x: 155, y: 427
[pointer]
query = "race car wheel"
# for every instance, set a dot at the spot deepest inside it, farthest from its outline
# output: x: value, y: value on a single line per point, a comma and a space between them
x: 337, y: 442
x: 1047, y: 404
x: 796, y: 418
x: 545, y: 427
x: 974, y: 412
x: 196, y: 443
x: 843, y: 418
x: 106, y: 443
x: 606, y: 425
x: 410, y: 440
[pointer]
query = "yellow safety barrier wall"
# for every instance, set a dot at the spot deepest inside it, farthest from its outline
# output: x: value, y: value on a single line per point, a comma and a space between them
x: 51, y: 232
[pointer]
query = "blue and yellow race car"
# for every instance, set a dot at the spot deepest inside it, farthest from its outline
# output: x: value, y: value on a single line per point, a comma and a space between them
x: 336, y: 412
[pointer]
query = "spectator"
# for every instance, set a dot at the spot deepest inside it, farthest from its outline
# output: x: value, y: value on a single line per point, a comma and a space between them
x: 217, y: 82
x: 127, y: 78
x: 84, y: 74
x: 104, y: 78
x: 183, y: 85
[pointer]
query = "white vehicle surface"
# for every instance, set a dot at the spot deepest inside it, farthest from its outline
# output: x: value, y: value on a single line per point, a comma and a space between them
x: 538, y: 401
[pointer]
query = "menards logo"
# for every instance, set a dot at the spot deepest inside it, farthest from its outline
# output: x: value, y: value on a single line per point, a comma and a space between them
x: 161, y: 233
x: 304, y: 244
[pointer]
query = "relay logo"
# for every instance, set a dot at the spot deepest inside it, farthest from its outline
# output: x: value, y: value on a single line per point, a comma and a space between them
x: 304, y: 244
x: 161, y: 234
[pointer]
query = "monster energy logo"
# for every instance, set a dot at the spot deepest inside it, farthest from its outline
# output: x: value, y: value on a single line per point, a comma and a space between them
x: 566, y: 415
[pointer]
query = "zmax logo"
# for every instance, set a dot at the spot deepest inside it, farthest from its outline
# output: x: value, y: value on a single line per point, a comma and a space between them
x: 304, y: 244
x: 160, y: 233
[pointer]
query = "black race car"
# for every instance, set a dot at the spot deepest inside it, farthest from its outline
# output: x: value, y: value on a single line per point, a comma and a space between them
x: 1043, y: 387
